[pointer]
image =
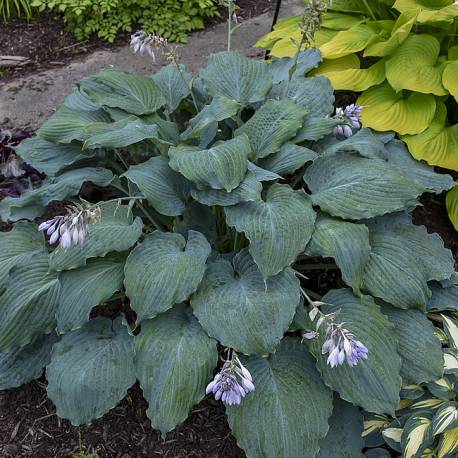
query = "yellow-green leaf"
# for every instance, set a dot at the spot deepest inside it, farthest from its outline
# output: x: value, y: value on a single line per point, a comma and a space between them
x: 336, y: 65
x: 452, y: 206
x: 416, y: 436
x: 438, y: 144
x: 384, y: 109
x: 340, y: 21
x: 348, y: 41
x: 284, y: 28
x: 450, y: 78
x: 413, y: 66
x: 448, y: 443
x: 399, y: 33
x: 355, y: 79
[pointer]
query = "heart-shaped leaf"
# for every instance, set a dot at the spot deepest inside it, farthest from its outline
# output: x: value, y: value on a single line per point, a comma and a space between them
x: 289, y: 390
x: 164, y: 270
x: 278, y: 227
x: 91, y: 370
x: 449, y: 79
x: 174, y: 360
x: 174, y: 84
x: 240, y: 309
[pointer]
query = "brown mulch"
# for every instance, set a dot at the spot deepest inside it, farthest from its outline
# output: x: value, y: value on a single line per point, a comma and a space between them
x: 47, y: 43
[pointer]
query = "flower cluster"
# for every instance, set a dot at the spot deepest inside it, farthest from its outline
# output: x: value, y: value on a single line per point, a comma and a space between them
x: 147, y: 44
x: 12, y: 168
x: 71, y: 228
x: 232, y: 383
x: 351, y: 114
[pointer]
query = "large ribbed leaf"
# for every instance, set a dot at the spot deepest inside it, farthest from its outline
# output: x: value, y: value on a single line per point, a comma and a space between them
x: 290, y: 158
x: 384, y: 109
x: 236, y: 77
x: 174, y: 360
x: 174, y: 84
x: 219, y: 109
x: 221, y: 167
x: 239, y: 309
x: 347, y: 243
x: 287, y: 415
x: 277, y: 227
x: 419, y: 348
x: 417, y: 435
x: 438, y: 144
x: 91, y: 370
x: 19, y: 246
x: 28, y: 304
x: 276, y: 122
x: 373, y: 384
x: 68, y: 124
x: 348, y: 41
x: 316, y: 128
x: 448, y: 443
x: 355, y: 187
x: 344, y: 436
x: 33, y: 201
x: 413, y: 66
x: 314, y: 94
x: 50, y: 158
x: 119, y: 134
x: 353, y: 78
x: 403, y: 258
x: 428, y: 11
x: 308, y: 59
x: 445, y: 418
x: 248, y: 190
x: 165, y: 189
x: 117, y: 231
x: 115, y: 88
x: 449, y: 80
x: 164, y: 270
x: 84, y: 288
x: 23, y: 364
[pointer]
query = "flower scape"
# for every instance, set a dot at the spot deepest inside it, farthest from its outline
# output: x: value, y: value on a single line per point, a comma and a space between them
x: 211, y: 197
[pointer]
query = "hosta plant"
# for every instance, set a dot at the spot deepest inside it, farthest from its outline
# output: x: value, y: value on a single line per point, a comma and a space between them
x: 196, y: 206
x: 403, y: 57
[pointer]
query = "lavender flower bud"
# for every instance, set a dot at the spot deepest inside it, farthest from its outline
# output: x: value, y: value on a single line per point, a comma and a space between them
x: 351, y: 114
x: 310, y: 335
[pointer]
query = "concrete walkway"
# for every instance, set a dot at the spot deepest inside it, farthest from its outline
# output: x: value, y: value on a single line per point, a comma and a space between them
x: 28, y: 101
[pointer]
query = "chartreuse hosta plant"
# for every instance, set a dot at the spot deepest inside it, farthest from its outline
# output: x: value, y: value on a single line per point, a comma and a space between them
x: 209, y: 198
x: 403, y: 57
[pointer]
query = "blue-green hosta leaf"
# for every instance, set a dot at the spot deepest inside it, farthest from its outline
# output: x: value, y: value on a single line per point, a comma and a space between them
x: 450, y: 360
x: 68, y: 124
x: 24, y: 364
x: 248, y: 190
x: 290, y: 158
x: 276, y: 122
x: 239, y: 309
x: 19, y: 247
x: 344, y: 436
x: 50, y: 158
x: 84, y: 288
x: 347, y: 243
x: 419, y: 348
x: 443, y: 298
x: 355, y: 187
x: 197, y: 217
x: 117, y: 231
x: 445, y: 418
x: 221, y: 167
x: 373, y: 384
x: 443, y: 388
x: 91, y: 370
x: 262, y: 174
x: 165, y: 189
x: 174, y: 360
x: 219, y: 109
x: 377, y: 453
x: 174, y: 84
x: 287, y: 415
x: 307, y: 60
x: 28, y: 304
x: 33, y: 201
x: 314, y: 94
x: 237, y: 77
x: 165, y: 269
x: 316, y: 128
x: 119, y: 134
x: 278, y: 227
x: 115, y: 88
x: 403, y: 259
x: 417, y: 435
x: 78, y: 100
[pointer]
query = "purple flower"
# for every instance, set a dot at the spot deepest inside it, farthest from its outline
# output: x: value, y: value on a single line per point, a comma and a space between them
x: 342, y: 347
x: 310, y: 335
x: 232, y: 383
x: 350, y: 115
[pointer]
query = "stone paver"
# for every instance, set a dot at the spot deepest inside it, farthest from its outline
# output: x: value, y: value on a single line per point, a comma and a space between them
x: 28, y: 101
